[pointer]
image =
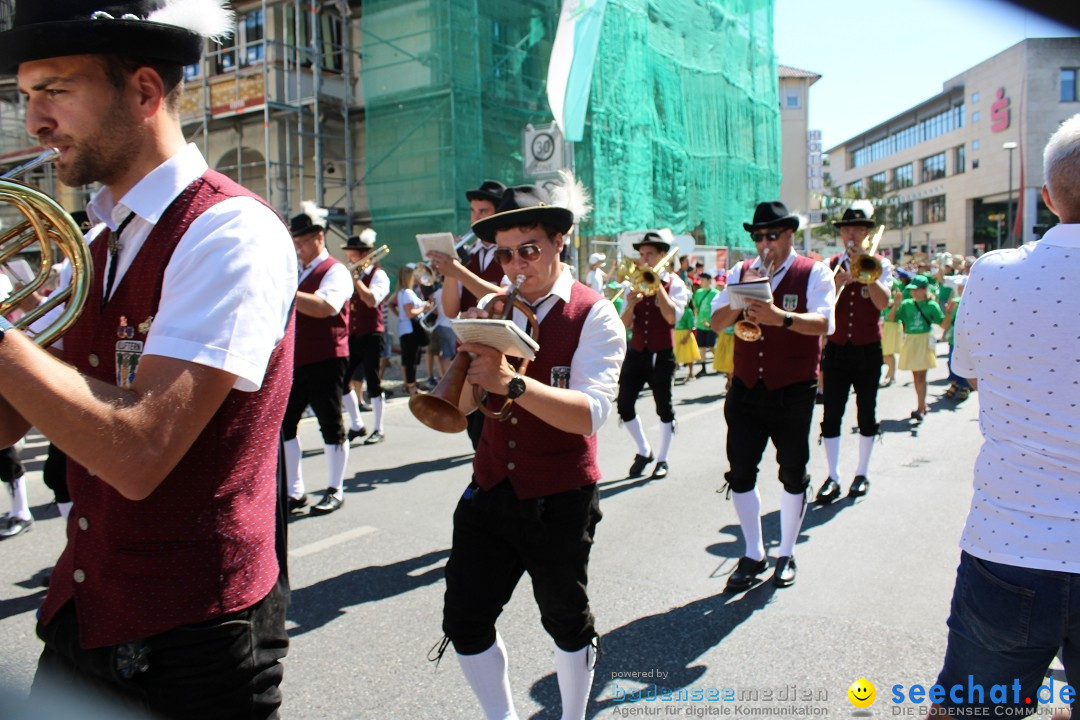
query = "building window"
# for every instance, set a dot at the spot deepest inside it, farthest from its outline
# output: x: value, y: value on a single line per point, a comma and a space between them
x: 193, y: 71
x: 904, y: 176
x: 933, y: 168
x: 876, y: 187
x: 330, y: 39
x: 905, y: 214
x: 961, y: 160
x: 857, y: 188
x: 974, y: 145
x: 792, y: 99
x: 975, y: 116
x: 245, y: 46
x: 975, y: 164
x: 1068, y: 85
x: 974, y: 97
x: 926, y: 129
x: 934, y: 209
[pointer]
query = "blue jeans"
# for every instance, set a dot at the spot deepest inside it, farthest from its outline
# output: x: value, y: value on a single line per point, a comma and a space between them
x: 1006, y: 624
x: 961, y: 382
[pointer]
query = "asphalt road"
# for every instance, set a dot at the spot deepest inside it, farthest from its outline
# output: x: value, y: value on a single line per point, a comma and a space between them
x: 872, y: 596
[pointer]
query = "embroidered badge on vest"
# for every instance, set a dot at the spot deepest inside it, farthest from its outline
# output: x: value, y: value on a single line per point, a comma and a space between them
x: 865, y: 291
x: 560, y: 376
x: 128, y: 352
x: 791, y: 302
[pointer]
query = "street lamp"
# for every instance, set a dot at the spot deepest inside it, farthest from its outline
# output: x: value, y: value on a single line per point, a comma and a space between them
x: 1010, y: 146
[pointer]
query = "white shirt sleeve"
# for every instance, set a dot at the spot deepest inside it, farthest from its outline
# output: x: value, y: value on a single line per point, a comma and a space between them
x: 721, y: 299
x: 885, y: 281
x: 336, y: 286
x: 594, y: 369
x: 227, y: 292
x: 821, y: 293
x: 379, y: 285
x: 679, y: 293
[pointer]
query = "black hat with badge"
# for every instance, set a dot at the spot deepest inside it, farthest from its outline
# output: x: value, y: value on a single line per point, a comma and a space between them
x: 170, y: 31
x: 490, y: 190
x: 524, y: 205
x: 773, y: 214
x: 860, y: 214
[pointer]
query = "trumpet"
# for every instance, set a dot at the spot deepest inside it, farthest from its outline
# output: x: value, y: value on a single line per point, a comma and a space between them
x: 428, y: 318
x: 361, y: 266
x: 424, y: 275
x: 46, y: 224
x: 866, y: 267
x: 643, y: 280
x: 746, y: 329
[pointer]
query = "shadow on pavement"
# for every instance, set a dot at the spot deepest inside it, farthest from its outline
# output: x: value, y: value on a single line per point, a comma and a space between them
x: 316, y: 605
x: 367, y: 479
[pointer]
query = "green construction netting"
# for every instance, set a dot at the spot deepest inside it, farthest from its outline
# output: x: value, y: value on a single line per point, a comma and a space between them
x: 683, y: 123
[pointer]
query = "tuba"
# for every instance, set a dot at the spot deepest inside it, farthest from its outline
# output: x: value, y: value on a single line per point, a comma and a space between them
x: 48, y: 225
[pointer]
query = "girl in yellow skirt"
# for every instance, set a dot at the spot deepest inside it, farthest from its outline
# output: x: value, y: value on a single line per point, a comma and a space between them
x: 724, y: 352
x: 918, y: 314
x: 891, y: 337
x: 686, y: 347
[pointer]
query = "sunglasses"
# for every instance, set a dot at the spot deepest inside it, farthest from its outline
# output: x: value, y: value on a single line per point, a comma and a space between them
x: 763, y: 236
x: 528, y: 252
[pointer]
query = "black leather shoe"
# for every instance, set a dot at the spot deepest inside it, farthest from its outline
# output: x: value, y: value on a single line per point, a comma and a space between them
x: 11, y: 526
x: 660, y: 471
x: 784, y: 575
x: 859, y: 486
x: 330, y: 502
x: 295, y: 504
x: 746, y: 574
x: 353, y: 434
x: 819, y: 399
x: 375, y: 437
x: 829, y: 491
x: 364, y: 407
x: 640, y: 461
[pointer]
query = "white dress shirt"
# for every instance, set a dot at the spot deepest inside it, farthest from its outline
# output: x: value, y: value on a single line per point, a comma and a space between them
x: 594, y: 369
x: 378, y: 282
x: 1016, y: 332
x: 678, y: 292
x: 230, y: 284
x: 820, y: 290
x: 336, y: 285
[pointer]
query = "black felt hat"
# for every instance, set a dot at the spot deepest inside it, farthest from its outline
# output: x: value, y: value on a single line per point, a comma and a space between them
x: 772, y: 215
x: 654, y: 239
x: 170, y: 31
x: 489, y: 190
x: 310, y: 219
x: 855, y: 216
x: 362, y: 242
x: 524, y: 205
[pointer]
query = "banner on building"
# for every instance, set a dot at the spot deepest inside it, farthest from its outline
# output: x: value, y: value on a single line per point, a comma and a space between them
x: 573, y: 55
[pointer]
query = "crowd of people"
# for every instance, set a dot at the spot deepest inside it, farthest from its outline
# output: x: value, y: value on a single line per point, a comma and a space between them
x: 231, y: 323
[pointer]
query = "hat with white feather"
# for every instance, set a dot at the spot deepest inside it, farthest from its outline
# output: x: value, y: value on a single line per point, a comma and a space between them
x: 170, y: 31
x: 567, y: 203
x: 311, y: 218
x: 860, y: 214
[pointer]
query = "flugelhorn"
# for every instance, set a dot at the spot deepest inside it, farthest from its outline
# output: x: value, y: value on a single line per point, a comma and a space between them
x: 438, y: 409
x: 361, y: 266
x: 47, y: 224
x: 746, y: 329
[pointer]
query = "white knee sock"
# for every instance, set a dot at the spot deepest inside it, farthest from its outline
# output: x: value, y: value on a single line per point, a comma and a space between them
x: 352, y: 406
x: 336, y: 458
x: 293, y: 474
x: 64, y: 508
x: 666, y: 431
x: 792, y: 506
x: 489, y: 679
x: 832, y: 454
x: 575, y: 673
x: 866, y: 446
x: 378, y: 406
x: 20, y: 508
x: 748, y: 508
x: 638, y: 434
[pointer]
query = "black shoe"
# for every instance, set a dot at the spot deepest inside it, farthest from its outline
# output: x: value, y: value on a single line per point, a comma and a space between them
x: 917, y: 416
x: 829, y: 491
x: 375, y: 437
x: 859, y: 486
x: 746, y: 574
x: 353, y: 434
x: 330, y: 502
x: 11, y: 526
x: 819, y: 399
x: 364, y: 407
x: 784, y: 575
x: 660, y: 471
x: 295, y: 504
x: 640, y: 461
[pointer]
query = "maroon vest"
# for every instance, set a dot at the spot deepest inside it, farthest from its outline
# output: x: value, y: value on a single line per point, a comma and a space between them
x: 858, y: 321
x: 538, y: 459
x: 651, y: 331
x: 202, y: 544
x: 364, y: 320
x: 782, y: 356
x: 493, y: 274
x: 320, y: 339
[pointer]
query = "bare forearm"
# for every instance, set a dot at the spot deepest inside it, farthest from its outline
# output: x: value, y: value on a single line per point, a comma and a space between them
x: 879, y: 296
x: 809, y: 323
x: 478, y: 286
x: 723, y: 318
x: 313, y: 306
x: 566, y: 410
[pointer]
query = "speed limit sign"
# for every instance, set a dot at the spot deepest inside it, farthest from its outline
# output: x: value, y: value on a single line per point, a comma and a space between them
x: 544, y: 150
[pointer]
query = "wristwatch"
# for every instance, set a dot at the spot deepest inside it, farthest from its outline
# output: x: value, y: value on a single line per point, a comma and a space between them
x: 789, y: 319
x: 516, y: 387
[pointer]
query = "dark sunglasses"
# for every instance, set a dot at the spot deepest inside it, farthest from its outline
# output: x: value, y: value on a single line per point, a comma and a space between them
x: 527, y: 252
x: 763, y: 236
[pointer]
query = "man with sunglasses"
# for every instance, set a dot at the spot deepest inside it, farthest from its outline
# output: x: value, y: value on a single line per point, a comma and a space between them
x: 533, y: 505
x: 775, y: 381
x: 852, y: 356
x: 651, y: 356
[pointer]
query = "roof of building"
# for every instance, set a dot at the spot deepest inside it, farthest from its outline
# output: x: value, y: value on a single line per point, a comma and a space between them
x: 786, y: 71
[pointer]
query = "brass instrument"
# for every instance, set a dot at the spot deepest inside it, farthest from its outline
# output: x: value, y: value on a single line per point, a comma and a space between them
x: 47, y: 224
x: 429, y: 317
x: 746, y: 329
x: 361, y: 266
x: 438, y: 409
x: 424, y: 275
x: 643, y: 280
x: 866, y: 267
x: 625, y: 270
x: 467, y: 241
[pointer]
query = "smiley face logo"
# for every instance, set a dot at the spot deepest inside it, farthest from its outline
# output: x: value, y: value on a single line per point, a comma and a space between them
x: 862, y: 693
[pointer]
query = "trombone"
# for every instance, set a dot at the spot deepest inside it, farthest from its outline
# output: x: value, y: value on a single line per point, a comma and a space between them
x: 361, y: 266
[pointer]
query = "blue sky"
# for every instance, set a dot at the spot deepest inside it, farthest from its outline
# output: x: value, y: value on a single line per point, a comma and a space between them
x: 879, y: 57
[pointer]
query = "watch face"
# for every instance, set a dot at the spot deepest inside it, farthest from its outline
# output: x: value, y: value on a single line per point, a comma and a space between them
x: 515, y: 387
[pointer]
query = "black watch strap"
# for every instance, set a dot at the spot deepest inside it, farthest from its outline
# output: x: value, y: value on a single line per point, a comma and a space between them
x: 789, y: 320
x: 516, y: 387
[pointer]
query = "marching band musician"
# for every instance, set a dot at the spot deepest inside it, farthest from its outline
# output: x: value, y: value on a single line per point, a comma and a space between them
x: 167, y: 593
x: 322, y: 356
x: 852, y: 357
x: 772, y: 393
x: 533, y: 503
x: 371, y: 286
x: 651, y: 356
